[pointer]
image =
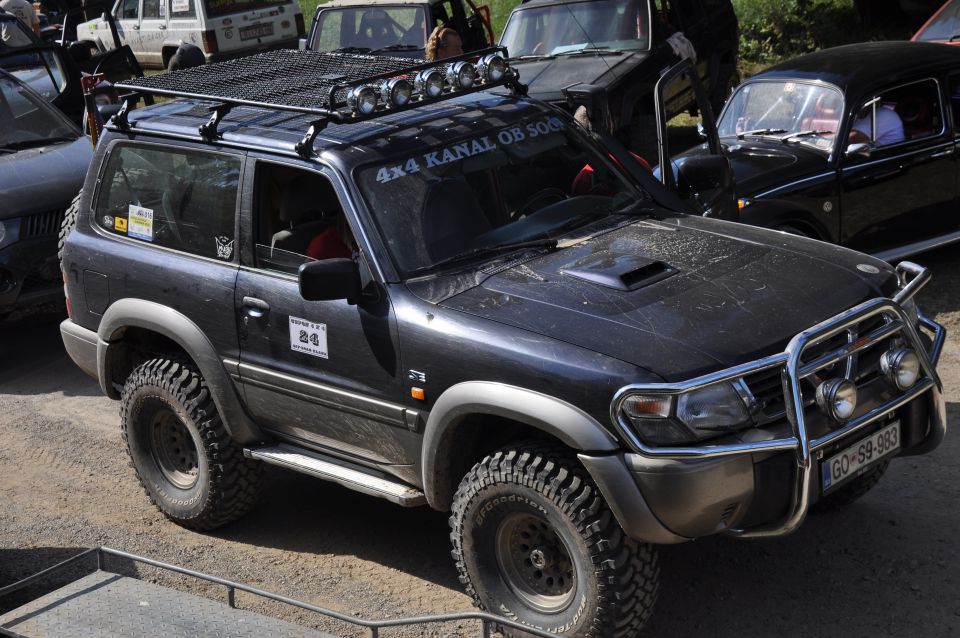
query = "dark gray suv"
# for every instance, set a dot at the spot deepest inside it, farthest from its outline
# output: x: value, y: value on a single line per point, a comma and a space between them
x: 420, y: 284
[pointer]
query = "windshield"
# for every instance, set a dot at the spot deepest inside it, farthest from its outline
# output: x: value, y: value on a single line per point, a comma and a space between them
x: 944, y: 26
x: 789, y: 111
x: 223, y: 7
x: 40, y: 70
x: 569, y: 28
x: 524, y: 185
x: 26, y: 121
x: 371, y: 28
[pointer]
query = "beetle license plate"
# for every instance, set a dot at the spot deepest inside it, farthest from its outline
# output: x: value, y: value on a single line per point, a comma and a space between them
x: 849, y: 463
x: 256, y: 31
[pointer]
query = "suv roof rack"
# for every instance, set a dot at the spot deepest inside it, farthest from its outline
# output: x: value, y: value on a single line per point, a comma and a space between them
x: 337, y: 87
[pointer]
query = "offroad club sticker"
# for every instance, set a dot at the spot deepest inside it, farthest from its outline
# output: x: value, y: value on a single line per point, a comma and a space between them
x: 308, y: 337
x: 140, y: 222
x: 470, y: 148
x: 120, y: 224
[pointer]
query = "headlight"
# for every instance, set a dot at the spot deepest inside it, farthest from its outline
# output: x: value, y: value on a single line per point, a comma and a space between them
x: 461, y: 75
x: 9, y: 231
x: 363, y: 100
x: 901, y: 367
x: 692, y: 416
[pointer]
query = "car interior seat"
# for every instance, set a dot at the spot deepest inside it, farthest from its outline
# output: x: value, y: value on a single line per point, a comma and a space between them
x: 451, y: 218
x: 375, y: 30
x: 307, y: 205
x: 826, y: 114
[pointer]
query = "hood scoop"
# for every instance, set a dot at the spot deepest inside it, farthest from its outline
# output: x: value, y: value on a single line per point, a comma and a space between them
x: 617, y: 271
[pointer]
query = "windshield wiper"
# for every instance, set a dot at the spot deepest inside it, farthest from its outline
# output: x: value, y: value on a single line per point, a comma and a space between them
x: 25, y: 144
x: 592, y: 50
x: 352, y: 50
x: 481, y: 251
x: 787, y: 138
x: 399, y: 47
x: 761, y: 132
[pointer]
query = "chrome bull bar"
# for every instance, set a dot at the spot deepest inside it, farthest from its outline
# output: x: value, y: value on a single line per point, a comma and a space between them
x: 793, y: 371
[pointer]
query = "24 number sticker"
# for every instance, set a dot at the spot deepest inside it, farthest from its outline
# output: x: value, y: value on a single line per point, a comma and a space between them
x: 308, y: 337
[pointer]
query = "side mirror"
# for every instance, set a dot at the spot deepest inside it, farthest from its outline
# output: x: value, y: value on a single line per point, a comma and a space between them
x: 708, y: 180
x: 702, y: 132
x: 858, y: 150
x: 590, y: 96
x: 330, y: 279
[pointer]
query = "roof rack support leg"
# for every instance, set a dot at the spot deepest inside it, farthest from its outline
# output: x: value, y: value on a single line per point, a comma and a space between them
x: 209, y: 131
x: 304, y: 147
x: 120, y: 119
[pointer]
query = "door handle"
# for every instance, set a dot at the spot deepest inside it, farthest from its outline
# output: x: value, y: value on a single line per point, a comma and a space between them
x: 255, y: 307
x: 136, y: 27
x: 162, y: 27
x: 943, y: 153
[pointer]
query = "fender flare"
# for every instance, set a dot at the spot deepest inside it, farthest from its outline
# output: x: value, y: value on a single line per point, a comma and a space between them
x: 553, y: 416
x: 139, y: 313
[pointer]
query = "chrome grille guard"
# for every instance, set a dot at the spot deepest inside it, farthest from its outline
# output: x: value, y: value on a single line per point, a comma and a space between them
x: 793, y: 371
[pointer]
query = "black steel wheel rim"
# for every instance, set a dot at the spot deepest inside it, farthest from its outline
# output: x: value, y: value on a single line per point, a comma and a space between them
x: 535, y: 563
x: 174, y: 450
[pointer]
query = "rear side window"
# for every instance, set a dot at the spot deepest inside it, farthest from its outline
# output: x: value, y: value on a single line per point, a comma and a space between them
x: 172, y: 198
x: 130, y: 9
x: 903, y: 113
x: 153, y: 8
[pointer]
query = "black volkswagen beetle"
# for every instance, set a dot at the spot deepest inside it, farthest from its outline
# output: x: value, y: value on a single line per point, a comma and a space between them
x: 855, y: 145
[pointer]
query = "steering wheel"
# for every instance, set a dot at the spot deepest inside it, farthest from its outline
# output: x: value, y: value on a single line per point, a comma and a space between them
x: 540, y: 199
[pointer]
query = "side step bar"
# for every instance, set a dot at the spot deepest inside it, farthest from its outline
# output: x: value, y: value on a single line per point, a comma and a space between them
x: 324, y: 467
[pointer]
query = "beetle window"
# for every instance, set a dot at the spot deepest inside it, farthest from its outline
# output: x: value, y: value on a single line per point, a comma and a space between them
x: 905, y: 113
x: 177, y: 199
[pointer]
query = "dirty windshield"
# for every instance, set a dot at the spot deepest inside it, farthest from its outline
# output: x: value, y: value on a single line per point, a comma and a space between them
x: 791, y: 112
x: 26, y: 121
x: 528, y: 185
x: 573, y: 28
x: 371, y: 28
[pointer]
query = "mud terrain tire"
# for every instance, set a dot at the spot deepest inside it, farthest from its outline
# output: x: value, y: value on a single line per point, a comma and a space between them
x: 182, y: 454
x: 67, y: 224
x: 534, y: 541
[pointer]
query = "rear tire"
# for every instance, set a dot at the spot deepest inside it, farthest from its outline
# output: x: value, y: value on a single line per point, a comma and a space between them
x: 852, y: 491
x: 534, y: 541
x: 182, y: 454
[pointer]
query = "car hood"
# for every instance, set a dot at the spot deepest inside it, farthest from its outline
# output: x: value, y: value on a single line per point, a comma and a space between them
x: 546, y: 77
x: 41, y: 179
x: 759, y: 165
x: 681, y: 296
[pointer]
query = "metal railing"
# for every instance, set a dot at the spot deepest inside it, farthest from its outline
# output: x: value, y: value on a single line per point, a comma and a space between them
x: 488, y: 621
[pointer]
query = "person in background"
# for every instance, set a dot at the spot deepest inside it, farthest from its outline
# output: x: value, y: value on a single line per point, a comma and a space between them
x: 444, y: 42
x: 24, y: 12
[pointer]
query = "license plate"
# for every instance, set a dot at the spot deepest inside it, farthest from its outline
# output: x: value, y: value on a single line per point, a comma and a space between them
x: 256, y: 31
x: 852, y: 461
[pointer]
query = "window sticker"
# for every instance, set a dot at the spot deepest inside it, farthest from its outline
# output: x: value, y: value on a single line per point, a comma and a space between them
x: 120, y: 224
x: 180, y: 6
x: 224, y: 247
x: 140, y: 222
x: 469, y: 148
x: 308, y: 337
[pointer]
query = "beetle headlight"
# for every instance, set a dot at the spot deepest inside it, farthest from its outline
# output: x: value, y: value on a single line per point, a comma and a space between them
x: 662, y: 419
x: 461, y: 75
x: 362, y: 100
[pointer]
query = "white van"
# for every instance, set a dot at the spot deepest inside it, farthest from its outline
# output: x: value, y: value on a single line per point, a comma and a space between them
x: 221, y: 28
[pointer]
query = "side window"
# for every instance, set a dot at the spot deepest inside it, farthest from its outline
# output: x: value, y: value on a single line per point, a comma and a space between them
x: 900, y: 114
x: 178, y: 199
x: 153, y: 8
x: 953, y: 94
x: 182, y: 9
x: 130, y: 9
x: 297, y: 218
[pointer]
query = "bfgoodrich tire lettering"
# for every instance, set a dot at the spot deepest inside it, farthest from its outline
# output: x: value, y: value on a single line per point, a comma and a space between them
x: 184, y: 458
x: 534, y: 541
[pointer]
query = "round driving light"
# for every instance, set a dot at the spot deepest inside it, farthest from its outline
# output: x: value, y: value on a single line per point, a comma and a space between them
x: 492, y: 67
x: 396, y: 92
x: 838, y: 398
x: 429, y: 83
x: 901, y: 367
x: 362, y: 100
x: 461, y: 75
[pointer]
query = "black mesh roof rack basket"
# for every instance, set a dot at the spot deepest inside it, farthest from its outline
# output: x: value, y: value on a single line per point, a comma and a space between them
x: 335, y: 87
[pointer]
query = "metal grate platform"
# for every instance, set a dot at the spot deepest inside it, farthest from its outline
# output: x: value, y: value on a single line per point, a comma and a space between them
x: 106, y: 605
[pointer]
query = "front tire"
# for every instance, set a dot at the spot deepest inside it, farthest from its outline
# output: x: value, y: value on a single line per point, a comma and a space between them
x: 182, y: 454
x: 534, y: 541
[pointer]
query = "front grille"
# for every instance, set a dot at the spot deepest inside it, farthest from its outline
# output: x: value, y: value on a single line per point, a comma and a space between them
x: 41, y: 224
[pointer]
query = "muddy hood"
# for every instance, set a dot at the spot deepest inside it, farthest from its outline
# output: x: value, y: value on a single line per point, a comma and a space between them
x: 680, y: 297
x: 41, y: 179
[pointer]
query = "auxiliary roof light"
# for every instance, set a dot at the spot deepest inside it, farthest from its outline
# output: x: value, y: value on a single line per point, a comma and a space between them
x: 362, y: 100
x: 429, y: 83
x: 461, y: 75
x: 901, y: 367
x: 396, y: 92
x: 492, y: 67
x: 838, y: 398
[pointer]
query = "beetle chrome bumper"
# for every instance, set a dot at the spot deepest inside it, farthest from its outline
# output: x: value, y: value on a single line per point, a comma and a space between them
x: 807, y: 445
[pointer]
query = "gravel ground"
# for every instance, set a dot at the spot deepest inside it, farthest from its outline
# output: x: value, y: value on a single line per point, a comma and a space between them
x: 886, y: 566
